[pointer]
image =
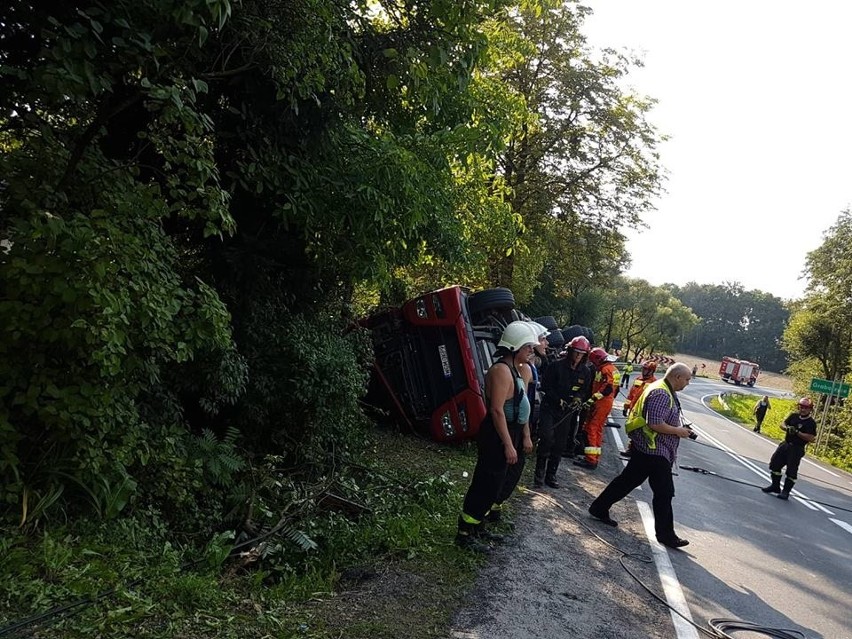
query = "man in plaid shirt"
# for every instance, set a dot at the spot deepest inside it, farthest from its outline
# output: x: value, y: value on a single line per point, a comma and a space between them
x: 655, y: 430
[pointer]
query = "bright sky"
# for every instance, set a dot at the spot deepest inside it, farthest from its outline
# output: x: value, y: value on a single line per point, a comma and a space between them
x: 757, y: 99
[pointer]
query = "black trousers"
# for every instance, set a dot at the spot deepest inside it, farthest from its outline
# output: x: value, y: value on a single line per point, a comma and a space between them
x: 789, y: 455
x: 556, y: 430
x: 491, y: 471
x: 658, y: 471
x: 513, y: 471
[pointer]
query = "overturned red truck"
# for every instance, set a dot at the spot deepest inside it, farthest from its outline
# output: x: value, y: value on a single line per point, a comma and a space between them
x: 431, y: 355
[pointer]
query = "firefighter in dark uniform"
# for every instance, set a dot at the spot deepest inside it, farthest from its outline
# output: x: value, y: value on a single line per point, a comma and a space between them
x: 566, y: 386
x: 801, y: 430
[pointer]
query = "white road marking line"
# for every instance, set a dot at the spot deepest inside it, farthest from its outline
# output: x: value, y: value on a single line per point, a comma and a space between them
x: 619, y: 443
x: 616, y: 438
x: 842, y: 524
x: 671, y: 586
x: 799, y: 496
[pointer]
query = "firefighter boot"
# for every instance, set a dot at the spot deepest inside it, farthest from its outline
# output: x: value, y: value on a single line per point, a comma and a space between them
x: 495, y: 515
x: 788, y: 486
x: 775, y: 486
x: 483, y: 533
x: 467, y: 537
x: 540, y: 467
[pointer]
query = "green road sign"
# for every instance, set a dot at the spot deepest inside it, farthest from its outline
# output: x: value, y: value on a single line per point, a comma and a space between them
x: 828, y: 387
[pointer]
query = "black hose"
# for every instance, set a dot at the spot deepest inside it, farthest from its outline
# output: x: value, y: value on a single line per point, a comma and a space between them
x: 704, y: 471
x: 717, y: 627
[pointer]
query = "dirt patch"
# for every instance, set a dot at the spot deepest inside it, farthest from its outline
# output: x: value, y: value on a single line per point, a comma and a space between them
x: 562, y: 574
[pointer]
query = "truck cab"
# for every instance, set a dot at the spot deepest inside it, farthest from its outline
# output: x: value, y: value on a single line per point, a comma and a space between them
x: 431, y: 356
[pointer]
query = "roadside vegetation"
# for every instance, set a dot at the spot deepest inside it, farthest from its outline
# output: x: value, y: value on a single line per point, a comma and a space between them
x: 381, y: 525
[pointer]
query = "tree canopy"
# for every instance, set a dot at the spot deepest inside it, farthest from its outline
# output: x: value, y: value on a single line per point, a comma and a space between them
x: 199, y: 197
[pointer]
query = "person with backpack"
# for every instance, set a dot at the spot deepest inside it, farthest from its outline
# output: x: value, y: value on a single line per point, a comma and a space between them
x: 655, y: 427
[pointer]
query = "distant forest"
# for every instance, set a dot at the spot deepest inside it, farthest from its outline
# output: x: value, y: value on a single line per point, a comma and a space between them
x: 735, y: 322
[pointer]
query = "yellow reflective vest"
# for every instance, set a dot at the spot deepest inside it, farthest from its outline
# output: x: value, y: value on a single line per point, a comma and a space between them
x: 636, y: 418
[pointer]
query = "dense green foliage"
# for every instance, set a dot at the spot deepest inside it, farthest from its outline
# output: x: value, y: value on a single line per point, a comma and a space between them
x: 192, y: 190
x: 734, y: 322
x: 392, y: 508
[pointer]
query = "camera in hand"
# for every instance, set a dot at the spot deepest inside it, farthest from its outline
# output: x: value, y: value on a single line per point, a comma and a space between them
x: 692, y: 434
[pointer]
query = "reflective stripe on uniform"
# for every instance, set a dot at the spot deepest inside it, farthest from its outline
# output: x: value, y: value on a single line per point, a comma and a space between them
x: 470, y: 520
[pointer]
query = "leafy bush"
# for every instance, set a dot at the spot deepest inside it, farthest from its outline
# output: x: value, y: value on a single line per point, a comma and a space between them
x: 307, y: 380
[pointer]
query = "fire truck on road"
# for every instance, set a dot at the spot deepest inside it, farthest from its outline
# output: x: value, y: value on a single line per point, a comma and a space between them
x: 738, y: 371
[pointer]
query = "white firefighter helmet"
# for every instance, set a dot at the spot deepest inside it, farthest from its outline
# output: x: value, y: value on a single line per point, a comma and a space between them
x: 517, y: 335
x: 540, y: 331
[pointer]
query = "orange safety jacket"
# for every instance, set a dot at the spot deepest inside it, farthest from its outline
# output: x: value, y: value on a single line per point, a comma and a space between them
x: 636, y: 389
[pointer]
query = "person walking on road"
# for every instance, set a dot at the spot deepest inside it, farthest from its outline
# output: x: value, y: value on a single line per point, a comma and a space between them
x: 655, y: 428
x: 801, y: 430
x: 759, y: 412
x: 567, y: 384
x: 504, y: 430
x: 604, y: 389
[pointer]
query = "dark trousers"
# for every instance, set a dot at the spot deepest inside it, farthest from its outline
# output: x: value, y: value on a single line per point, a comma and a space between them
x: 556, y: 429
x: 658, y: 471
x: 489, y: 475
x: 788, y: 455
x: 513, y: 471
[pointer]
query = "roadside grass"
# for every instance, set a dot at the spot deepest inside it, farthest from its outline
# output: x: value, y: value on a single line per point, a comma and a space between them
x: 386, y: 567
x: 738, y: 407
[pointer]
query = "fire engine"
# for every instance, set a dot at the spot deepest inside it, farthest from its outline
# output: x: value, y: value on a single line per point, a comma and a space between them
x: 739, y: 371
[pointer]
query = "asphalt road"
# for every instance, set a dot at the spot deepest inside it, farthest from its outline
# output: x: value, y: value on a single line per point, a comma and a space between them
x: 752, y: 556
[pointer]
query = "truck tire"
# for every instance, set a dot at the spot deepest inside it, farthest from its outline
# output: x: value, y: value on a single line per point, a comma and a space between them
x: 491, y: 299
x: 575, y: 330
x: 548, y: 321
x: 555, y: 340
